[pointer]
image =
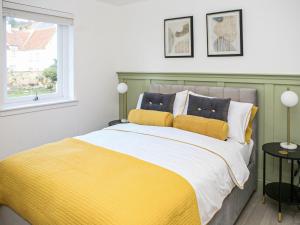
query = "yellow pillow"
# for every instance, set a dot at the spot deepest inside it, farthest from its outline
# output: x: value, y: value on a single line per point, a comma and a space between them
x: 210, y: 127
x: 249, y: 131
x: 151, y: 118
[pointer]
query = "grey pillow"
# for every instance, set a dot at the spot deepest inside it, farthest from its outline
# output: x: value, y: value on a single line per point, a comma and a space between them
x: 214, y: 108
x: 158, y: 102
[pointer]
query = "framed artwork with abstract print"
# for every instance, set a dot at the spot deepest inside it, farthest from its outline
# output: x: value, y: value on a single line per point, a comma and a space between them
x: 179, y: 37
x: 225, y: 33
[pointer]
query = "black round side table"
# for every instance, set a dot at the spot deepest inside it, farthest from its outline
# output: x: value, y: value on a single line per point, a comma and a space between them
x: 115, y: 122
x: 282, y: 192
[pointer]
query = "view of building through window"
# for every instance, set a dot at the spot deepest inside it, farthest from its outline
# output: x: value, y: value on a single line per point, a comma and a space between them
x: 31, y: 49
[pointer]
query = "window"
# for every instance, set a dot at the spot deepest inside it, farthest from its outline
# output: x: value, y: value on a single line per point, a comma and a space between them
x: 38, y: 55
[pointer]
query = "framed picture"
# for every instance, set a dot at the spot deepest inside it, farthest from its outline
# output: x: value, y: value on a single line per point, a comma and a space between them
x: 225, y: 33
x: 179, y: 37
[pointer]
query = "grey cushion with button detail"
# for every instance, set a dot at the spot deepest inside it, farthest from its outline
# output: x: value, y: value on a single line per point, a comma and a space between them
x: 214, y: 108
x: 158, y: 102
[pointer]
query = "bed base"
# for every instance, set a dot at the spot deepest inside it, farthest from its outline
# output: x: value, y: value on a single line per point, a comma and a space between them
x: 9, y: 217
x: 234, y: 203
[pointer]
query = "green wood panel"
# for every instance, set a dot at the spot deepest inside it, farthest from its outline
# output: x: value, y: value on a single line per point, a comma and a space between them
x: 271, y: 116
x: 122, y: 102
x: 135, y: 88
x: 201, y: 83
x: 172, y: 82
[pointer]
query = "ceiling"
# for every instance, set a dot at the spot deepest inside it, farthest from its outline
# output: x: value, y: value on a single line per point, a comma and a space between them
x: 120, y: 2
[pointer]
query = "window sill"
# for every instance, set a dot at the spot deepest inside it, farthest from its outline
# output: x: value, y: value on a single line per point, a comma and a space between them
x: 36, y: 107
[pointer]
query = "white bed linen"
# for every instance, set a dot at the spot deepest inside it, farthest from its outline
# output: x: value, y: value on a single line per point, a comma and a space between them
x: 245, y: 149
x: 210, y: 176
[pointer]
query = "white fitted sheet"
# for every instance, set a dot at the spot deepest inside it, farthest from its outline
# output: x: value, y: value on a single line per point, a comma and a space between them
x: 213, y: 169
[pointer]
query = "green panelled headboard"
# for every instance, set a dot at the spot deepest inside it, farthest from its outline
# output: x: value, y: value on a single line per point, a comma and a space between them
x: 272, y: 118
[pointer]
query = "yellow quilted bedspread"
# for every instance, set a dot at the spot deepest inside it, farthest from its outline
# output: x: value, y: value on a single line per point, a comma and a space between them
x: 76, y: 183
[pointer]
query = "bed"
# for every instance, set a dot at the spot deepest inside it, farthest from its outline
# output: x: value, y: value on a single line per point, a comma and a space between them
x: 225, y: 202
x: 237, y: 200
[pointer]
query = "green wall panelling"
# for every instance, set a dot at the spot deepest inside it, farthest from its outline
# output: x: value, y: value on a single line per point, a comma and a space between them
x: 165, y: 82
x: 121, y: 103
x: 135, y: 87
x: 271, y: 115
x: 203, y: 83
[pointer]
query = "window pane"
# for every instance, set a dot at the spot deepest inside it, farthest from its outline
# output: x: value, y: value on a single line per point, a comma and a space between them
x: 31, y: 57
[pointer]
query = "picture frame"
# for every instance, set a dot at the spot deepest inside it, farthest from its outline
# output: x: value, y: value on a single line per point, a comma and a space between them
x: 179, y: 37
x: 225, y: 33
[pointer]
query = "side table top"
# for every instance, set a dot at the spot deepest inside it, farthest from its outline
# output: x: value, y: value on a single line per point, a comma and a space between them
x: 276, y: 150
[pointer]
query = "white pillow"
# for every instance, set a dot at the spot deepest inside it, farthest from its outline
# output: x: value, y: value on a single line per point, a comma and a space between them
x: 239, y: 114
x: 179, y: 102
x: 238, y: 117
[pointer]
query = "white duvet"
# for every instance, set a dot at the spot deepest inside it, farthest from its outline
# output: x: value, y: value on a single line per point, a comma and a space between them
x: 211, y: 166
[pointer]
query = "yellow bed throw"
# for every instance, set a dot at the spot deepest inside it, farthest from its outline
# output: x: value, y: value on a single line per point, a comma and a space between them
x: 75, y: 183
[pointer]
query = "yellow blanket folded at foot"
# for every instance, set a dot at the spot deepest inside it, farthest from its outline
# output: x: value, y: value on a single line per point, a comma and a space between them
x: 75, y: 183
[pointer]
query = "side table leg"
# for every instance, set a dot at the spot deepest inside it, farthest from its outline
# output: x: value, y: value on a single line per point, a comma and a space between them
x: 279, y: 191
x: 292, y: 180
x: 264, y: 179
x: 280, y: 217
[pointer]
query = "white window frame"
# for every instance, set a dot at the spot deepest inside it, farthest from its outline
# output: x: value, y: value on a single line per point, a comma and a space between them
x: 64, y: 21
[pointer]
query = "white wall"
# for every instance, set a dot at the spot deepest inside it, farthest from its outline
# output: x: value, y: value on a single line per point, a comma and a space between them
x: 95, y: 82
x: 271, y: 36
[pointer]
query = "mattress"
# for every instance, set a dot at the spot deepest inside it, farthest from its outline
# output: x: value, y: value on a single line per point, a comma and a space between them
x: 213, y: 169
